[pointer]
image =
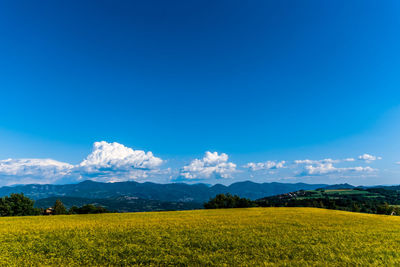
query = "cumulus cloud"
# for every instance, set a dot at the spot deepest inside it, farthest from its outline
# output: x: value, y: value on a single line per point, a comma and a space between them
x: 328, y: 168
x: 115, y: 156
x: 368, y: 157
x: 268, y: 165
x: 211, y: 165
x: 114, y: 162
x: 108, y: 162
x: 18, y: 171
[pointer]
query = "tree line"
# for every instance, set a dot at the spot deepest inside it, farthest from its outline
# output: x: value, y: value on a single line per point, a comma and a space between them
x: 378, y: 205
x: 367, y: 200
x: 226, y: 201
x: 59, y: 209
x: 20, y: 205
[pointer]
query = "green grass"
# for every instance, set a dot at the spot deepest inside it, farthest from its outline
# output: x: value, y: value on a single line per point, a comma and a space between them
x: 253, y: 237
x: 338, y: 193
x: 347, y: 192
x: 341, y: 192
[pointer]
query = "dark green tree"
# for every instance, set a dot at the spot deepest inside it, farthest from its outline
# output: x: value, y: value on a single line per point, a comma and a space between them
x: 91, y: 209
x: 73, y: 210
x: 384, y: 209
x: 355, y: 207
x: 223, y: 201
x: 17, y: 205
x: 59, y: 208
x: 87, y: 209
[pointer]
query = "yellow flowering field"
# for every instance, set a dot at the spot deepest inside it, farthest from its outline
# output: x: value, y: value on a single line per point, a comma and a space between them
x: 252, y: 237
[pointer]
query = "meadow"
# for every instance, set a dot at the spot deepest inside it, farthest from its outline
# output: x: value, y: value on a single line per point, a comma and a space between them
x: 253, y: 236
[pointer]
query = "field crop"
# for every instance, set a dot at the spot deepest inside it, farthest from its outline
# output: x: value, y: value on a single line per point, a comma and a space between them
x: 254, y: 237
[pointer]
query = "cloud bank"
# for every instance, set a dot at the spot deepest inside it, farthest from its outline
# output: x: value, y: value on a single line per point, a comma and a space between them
x: 328, y: 168
x: 14, y: 171
x: 108, y: 162
x: 114, y: 162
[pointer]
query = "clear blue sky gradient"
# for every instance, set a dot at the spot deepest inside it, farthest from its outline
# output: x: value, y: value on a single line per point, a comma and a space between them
x: 258, y: 80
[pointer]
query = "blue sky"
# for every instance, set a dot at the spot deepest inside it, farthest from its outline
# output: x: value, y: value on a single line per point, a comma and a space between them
x: 261, y: 81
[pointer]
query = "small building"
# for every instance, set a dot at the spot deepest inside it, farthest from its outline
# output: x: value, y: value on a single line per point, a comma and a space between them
x: 49, y: 211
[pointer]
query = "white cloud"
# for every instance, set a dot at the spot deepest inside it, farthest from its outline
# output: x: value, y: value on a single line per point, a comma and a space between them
x: 114, y: 156
x: 328, y: 168
x: 310, y: 161
x: 114, y: 162
x: 268, y: 165
x: 132, y: 175
x: 211, y: 165
x: 323, y: 161
x: 368, y: 157
x: 19, y: 171
x: 108, y: 162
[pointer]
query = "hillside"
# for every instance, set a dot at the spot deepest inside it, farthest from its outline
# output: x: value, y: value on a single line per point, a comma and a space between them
x: 120, y: 204
x: 381, y: 200
x: 174, y: 192
x: 232, y: 237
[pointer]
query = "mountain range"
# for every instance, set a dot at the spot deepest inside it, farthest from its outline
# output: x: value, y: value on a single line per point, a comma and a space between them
x: 173, y: 192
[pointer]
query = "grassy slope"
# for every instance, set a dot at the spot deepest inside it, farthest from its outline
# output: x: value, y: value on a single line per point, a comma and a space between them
x: 341, y: 192
x: 256, y: 236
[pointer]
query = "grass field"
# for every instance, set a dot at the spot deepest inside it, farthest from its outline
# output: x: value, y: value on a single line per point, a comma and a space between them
x: 255, y: 236
x: 319, y: 194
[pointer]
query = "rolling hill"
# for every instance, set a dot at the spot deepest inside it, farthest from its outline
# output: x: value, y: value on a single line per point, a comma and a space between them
x: 381, y: 200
